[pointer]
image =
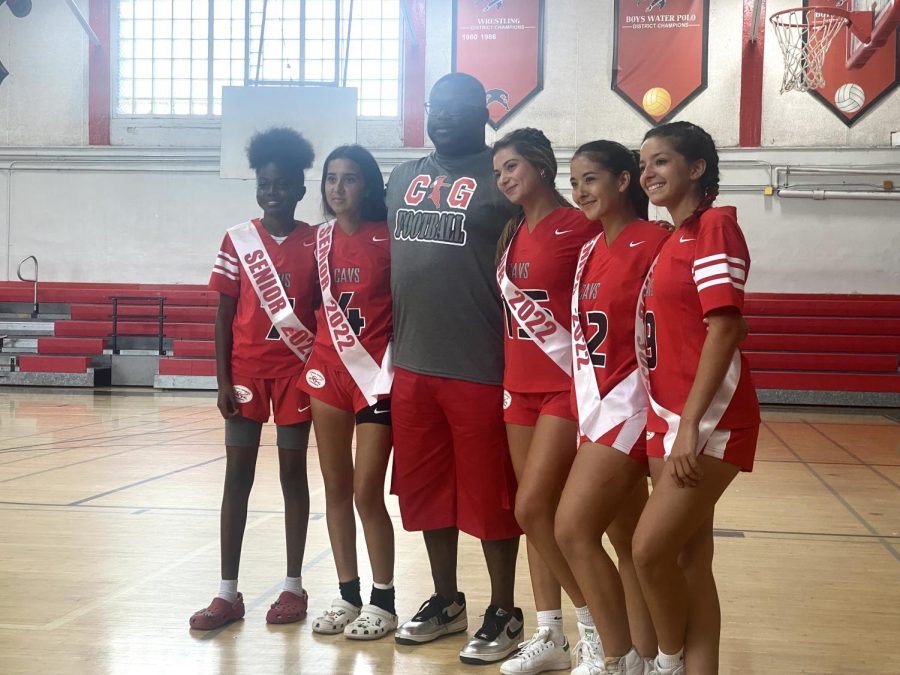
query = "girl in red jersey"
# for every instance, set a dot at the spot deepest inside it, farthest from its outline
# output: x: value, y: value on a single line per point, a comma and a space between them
x: 264, y: 268
x: 703, y: 420
x: 348, y: 378
x: 607, y: 486
x: 539, y: 250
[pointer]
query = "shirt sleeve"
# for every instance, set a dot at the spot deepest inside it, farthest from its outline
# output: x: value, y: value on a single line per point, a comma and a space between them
x: 226, y: 271
x: 721, y: 263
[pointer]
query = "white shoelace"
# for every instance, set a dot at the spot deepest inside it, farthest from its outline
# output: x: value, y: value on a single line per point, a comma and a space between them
x: 538, y: 643
x: 588, y: 651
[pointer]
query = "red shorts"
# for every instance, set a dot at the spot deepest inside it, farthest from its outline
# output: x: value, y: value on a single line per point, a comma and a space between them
x: 735, y: 446
x: 525, y: 408
x: 331, y: 385
x: 255, y: 397
x: 451, y: 460
x: 628, y: 437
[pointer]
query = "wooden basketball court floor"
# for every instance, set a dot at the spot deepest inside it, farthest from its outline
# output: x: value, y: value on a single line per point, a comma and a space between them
x: 109, y: 505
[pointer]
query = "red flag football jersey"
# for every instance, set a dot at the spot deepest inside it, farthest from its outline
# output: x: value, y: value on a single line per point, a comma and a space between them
x: 608, y: 295
x: 257, y: 350
x: 360, y: 266
x: 542, y: 265
x: 703, y: 266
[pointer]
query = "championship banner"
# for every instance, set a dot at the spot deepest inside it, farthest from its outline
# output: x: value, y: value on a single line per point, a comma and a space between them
x: 501, y: 43
x: 659, y: 57
x: 851, y: 93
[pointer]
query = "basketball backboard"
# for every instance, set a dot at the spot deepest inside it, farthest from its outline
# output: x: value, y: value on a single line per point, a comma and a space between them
x: 886, y: 17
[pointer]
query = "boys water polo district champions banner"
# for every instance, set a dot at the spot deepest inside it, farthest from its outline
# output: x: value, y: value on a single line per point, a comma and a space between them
x: 501, y: 43
x: 659, y: 58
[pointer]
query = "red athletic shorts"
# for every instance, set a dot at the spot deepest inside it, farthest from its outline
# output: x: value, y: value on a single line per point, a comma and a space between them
x: 256, y: 397
x: 735, y: 446
x: 525, y: 408
x: 451, y: 460
x: 331, y: 385
x: 628, y: 437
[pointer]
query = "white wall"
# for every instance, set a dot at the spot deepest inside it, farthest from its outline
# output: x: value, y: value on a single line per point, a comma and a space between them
x: 147, y: 213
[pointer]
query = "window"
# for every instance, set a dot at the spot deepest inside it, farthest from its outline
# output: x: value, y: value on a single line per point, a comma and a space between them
x: 174, y: 56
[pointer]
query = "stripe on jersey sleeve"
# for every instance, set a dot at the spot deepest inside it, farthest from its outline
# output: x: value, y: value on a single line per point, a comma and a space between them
x: 713, y: 270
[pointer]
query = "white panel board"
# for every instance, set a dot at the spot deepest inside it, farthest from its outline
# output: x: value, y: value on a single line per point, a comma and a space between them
x: 326, y: 116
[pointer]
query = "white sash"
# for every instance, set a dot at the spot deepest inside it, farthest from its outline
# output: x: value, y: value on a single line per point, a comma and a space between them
x: 263, y: 276
x: 717, y: 406
x: 596, y: 415
x: 537, y: 322
x: 371, y: 378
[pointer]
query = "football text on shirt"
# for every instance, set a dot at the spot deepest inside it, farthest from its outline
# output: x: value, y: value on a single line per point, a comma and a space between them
x: 439, y: 227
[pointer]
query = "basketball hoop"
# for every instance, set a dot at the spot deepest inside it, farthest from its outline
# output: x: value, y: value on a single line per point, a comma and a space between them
x: 804, y: 35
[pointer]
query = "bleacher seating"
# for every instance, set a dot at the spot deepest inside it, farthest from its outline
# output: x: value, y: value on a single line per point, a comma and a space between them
x: 803, y: 343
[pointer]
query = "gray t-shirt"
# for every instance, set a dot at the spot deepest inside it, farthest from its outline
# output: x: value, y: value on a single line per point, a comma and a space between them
x: 446, y: 215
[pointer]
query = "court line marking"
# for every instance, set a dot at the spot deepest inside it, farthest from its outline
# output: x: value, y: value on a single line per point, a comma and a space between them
x: 79, y: 502
x: 43, y: 506
x: 261, y: 599
x: 865, y: 523
x: 92, y: 459
x: 99, y: 602
x: 855, y: 456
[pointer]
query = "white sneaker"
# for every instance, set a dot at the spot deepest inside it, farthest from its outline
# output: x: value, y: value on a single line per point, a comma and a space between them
x: 656, y: 669
x: 538, y: 655
x: 334, y: 620
x: 630, y: 664
x: 372, y: 623
x: 648, y: 666
x: 588, y: 652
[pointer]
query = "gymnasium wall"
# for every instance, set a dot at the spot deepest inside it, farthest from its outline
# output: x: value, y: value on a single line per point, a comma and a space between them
x: 152, y: 208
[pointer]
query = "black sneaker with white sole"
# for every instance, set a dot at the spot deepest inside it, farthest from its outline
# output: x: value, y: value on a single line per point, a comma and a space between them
x: 436, y: 617
x: 498, y: 637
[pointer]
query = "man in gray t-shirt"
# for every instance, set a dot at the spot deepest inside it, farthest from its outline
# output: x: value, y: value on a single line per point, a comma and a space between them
x: 451, y: 461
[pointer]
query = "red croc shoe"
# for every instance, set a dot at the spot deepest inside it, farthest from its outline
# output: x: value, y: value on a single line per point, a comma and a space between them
x: 218, y: 614
x: 288, y: 608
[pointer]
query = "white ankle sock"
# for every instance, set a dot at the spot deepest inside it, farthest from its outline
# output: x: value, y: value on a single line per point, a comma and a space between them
x: 583, y: 614
x: 553, y: 620
x: 383, y: 587
x: 228, y: 590
x: 294, y: 585
x: 670, y: 661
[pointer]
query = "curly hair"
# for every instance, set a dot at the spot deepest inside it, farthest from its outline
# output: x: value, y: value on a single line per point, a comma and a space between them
x: 373, y: 208
x: 617, y: 159
x: 693, y: 143
x: 283, y: 147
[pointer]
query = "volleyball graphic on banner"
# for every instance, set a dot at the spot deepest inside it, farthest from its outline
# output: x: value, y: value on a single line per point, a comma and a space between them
x: 849, y: 98
x: 657, y: 101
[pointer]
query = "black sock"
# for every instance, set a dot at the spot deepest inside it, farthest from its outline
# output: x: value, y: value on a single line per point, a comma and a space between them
x: 350, y: 592
x: 384, y: 598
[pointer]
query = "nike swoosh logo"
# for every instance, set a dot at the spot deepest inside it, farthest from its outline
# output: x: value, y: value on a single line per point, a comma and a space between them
x: 635, y: 243
x: 380, y: 412
x: 303, y: 409
x: 683, y: 240
x: 309, y: 243
x: 450, y: 619
x: 377, y: 239
x: 512, y: 635
x: 563, y: 232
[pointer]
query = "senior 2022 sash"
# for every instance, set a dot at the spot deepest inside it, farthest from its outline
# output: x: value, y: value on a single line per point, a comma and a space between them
x: 263, y: 276
x: 539, y: 324
x: 645, y: 344
x: 627, y: 400
x: 371, y: 378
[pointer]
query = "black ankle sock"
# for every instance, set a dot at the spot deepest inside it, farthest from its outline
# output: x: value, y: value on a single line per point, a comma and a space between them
x: 384, y: 598
x: 350, y: 592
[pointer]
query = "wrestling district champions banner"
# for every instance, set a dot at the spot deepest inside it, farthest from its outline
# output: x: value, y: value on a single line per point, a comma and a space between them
x: 501, y: 43
x: 659, y: 58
